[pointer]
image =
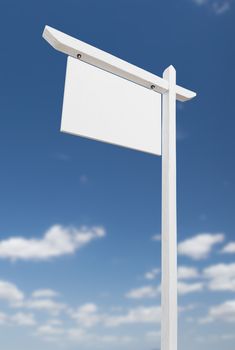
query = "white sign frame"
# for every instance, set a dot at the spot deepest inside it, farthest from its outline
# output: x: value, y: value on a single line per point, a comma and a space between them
x: 170, y: 93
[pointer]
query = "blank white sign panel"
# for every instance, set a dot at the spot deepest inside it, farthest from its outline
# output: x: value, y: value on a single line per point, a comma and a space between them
x: 102, y: 106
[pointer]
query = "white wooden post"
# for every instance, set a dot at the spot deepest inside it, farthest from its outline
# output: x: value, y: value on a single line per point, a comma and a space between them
x: 169, y: 229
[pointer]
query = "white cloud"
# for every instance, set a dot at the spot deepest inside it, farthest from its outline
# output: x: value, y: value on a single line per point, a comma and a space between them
x: 57, y: 241
x: 18, y: 319
x: 50, y: 330
x: 229, y: 248
x: 57, y: 333
x: 149, y: 291
x: 44, y: 293
x: 186, y: 288
x: 221, y: 277
x: 82, y: 336
x: 151, y: 275
x: 15, y: 297
x: 88, y: 308
x: 199, y: 246
x: 47, y: 305
x: 223, y: 312
x: 185, y: 272
x: 23, y: 319
x: 10, y: 293
x: 143, y: 292
x: 87, y: 315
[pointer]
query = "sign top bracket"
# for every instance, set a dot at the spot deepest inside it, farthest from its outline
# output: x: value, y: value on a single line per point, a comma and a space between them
x: 103, y: 60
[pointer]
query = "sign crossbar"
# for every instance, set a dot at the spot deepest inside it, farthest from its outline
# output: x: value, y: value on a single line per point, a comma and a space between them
x: 101, y: 59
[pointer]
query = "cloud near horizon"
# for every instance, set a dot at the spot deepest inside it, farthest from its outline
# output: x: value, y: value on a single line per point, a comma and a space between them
x: 45, y: 293
x: 18, y: 319
x: 57, y: 241
x: 223, y: 312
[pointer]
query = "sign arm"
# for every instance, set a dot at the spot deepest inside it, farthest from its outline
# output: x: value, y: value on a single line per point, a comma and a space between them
x: 103, y: 60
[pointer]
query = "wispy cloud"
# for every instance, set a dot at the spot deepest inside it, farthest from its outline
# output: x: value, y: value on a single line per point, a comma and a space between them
x: 185, y: 273
x: 221, y: 7
x: 47, y: 305
x: 217, y: 6
x: 40, y: 300
x: 62, y: 157
x: 44, y: 293
x: 83, y: 179
x: 186, y: 288
x: 141, y: 314
x: 152, y: 274
x: 218, y: 277
x: 143, y: 292
x: 56, y: 241
x: 50, y: 330
x: 87, y: 315
x: 23, y: 319
x: 83, y: 337
x: 153, y: 335
x: 156, y: 237
x: 181, y: 134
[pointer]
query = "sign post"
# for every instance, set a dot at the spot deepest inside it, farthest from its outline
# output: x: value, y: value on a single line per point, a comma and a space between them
x: 169, y: 216
x: 149, y: 125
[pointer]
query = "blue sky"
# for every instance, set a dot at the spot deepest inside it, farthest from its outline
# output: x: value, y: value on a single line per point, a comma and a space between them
x: 80, y: 220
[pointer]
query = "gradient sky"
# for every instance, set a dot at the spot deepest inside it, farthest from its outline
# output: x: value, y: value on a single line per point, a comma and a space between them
x: 80, y: 220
